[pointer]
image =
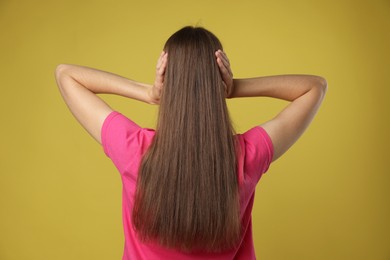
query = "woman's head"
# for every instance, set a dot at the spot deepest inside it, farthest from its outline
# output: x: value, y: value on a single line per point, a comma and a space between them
x: 191, y: 44
x: 192, y: 73
x: 187, y: 190
x: 193, y: 47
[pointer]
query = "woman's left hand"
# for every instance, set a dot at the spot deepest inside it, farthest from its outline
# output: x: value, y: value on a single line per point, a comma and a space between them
x: 155, y: 92
x: 226, y: 72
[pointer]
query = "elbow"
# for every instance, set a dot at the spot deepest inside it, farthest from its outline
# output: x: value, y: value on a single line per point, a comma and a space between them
x: 321, y: 84
x: 324, y: 84
x: 60, y: 71
x: 63, y: 71
x: 62, y: 75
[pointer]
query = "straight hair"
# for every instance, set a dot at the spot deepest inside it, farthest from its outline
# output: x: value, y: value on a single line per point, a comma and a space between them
x: 187, y: 194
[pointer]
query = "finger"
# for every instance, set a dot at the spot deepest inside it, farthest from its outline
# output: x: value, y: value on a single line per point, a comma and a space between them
x: 224, y: 71
x: 224, y: 57
x: 162, y: 54
x: 225, y: 61
x: 163, y: 64
x: 160, y: 72
x: 221, y: 65
x: 159, y: 61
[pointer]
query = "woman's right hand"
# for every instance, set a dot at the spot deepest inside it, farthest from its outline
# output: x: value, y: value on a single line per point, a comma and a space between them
x: 226, y: 72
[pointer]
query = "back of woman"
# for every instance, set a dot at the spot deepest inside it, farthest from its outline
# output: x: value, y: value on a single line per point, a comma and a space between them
x: 188, y: 186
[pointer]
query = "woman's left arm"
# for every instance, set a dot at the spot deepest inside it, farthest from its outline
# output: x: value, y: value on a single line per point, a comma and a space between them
x: 79, y: 85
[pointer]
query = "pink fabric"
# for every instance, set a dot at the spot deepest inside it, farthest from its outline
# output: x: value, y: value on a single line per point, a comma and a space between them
x: 125, y: 142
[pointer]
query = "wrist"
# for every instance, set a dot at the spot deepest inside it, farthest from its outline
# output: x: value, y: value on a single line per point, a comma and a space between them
x: 232, y: 89
x: 153, y: 94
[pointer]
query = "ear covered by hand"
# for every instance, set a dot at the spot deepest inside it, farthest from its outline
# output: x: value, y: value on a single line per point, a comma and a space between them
x: 155, y: 92
x: 224, y: 68
x: 226, y: 72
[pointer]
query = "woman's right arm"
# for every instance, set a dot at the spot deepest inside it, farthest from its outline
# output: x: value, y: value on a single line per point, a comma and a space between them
x: 305, y: 92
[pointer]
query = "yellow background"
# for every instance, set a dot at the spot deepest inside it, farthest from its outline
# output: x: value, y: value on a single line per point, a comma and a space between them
x: 327, y: 198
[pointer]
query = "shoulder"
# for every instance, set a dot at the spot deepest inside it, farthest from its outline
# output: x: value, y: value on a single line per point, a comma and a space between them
x: 116, y: 121
x: 257, y: 148
x: 120, y: 134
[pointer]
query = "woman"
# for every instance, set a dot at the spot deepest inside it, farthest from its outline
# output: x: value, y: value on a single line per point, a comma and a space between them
x: 188, y: 186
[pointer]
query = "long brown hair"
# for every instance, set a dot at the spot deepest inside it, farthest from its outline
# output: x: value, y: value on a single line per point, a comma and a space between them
x: 187, y: 192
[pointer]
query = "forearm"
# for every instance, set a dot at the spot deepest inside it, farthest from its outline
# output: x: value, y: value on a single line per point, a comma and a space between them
x: 286, y: 87
x: 102, y: 82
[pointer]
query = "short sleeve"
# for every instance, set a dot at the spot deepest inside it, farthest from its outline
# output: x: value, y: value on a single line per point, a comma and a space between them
x: 258, y: 151
x: 123, y: 141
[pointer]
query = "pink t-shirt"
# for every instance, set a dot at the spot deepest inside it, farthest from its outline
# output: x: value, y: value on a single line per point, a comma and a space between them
x: 124, y: 142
